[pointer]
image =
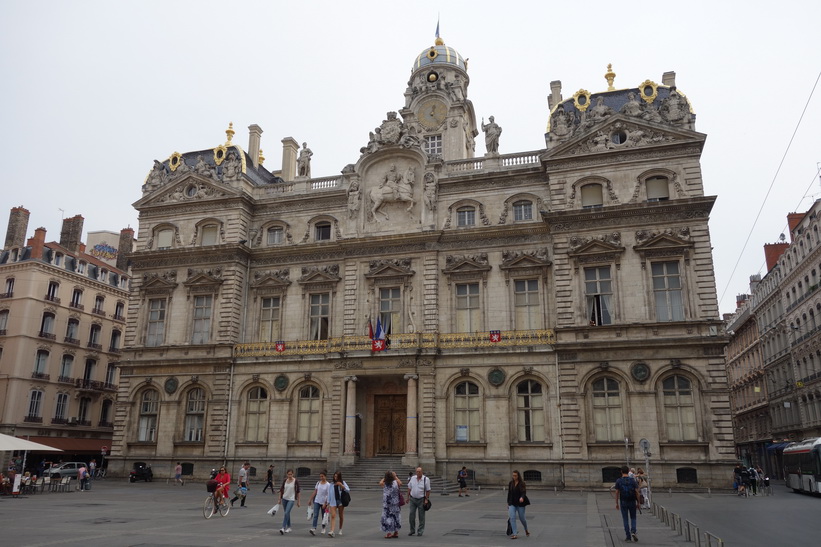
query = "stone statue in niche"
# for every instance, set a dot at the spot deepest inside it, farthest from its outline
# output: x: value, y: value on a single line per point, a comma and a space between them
x: 231, y: 167
x: 392, y: 188
x: 492, y: 133
x: 354, y: 198
x: 430, y: 191
x: 304, y: 161
x: 202, y: 168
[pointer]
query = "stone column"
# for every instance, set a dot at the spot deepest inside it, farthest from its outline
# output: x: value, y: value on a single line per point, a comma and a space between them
x: 350, y: 421
x: 412, y: 427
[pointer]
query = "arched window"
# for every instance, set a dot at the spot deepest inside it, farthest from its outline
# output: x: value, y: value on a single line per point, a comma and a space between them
x: 256, y: 415
x: 530, y: 411
x: 47, y: 326
x: 592, y: 196
x: 308, y: 419
x: 149, y: 408
x: 195, y: 415
x: 523, y: 210
x: 65, y: 368
x: 608, y: 420
x: 61, y: 408
x: 679, y: 409
x: 657, y: 189
x: 41, y: 364
x: 466, y: 216
x: 105, y: 413
x: 84, y: 411
x: 94, y: 337
x: 466, y: 411
x: 51, y: 292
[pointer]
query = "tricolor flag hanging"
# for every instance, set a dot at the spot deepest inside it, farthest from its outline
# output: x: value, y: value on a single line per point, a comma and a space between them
x: 495, y: 336
x: 279, y: 346
x: 378, y: 338
x: 370, y: 329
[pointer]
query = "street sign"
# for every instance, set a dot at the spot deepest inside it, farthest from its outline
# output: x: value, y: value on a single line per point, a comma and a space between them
x: 103, y: 450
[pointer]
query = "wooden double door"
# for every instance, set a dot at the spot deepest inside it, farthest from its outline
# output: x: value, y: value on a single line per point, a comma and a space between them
x: 391, y: 421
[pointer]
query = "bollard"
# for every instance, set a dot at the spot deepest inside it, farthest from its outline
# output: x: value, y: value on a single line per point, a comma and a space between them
x: 555, y: 491
x: 670, y: 492
x: 709, y: 492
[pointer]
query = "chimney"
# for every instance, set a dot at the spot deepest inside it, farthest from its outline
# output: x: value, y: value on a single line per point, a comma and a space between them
x: 37, y: 243
x: 669, y: 79
x: 555, y: 96
x: 289, y: 151
x: 17, y: 228
x: 772, y: 252
x: 125, y: 248
x: 72, y: 233
x: 740, y: 299
x: 793, y: 219
x: 254, y: 136
x: 755, y: 279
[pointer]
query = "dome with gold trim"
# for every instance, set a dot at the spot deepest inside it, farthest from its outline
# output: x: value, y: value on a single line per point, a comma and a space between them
x: 438, y: 55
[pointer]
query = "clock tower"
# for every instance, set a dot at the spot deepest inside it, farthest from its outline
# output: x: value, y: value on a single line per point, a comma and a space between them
x: 436, y: 103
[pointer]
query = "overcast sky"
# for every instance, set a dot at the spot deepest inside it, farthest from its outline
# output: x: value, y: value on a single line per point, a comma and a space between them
x: 93, y: 92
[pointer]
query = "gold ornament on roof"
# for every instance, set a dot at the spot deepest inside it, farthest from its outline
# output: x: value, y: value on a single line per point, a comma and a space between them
x: 581, y: 100
x: 439, y: 41
x: 229, y: 133
x: 174, y: 161
x: 220, y: 152
x: 648, y: 90
x: 610, y: 76
x: 261, y: 157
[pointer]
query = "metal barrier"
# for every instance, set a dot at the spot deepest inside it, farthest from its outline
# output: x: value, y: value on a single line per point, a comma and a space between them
x: 684, y: 527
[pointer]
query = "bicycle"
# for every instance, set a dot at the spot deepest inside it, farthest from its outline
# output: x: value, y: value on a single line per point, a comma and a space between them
x: 211, y: 506
x: 99, y: 473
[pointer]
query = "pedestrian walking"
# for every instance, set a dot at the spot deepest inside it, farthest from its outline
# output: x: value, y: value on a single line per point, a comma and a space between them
x: 392, y: 501
x: 319, y: 499
x: 627, y: 496
x: 82, y: 477
x: 288, y: 496
x: 516, y: 503
x: 644, y: 488
x: 269, y: 477
x: 242, y: 485
x: 92, y: 467
x: 178, y: 475
x: 462, y: 478
x: 418, y: 494
x: 753, y: 479
x: 335, y: 501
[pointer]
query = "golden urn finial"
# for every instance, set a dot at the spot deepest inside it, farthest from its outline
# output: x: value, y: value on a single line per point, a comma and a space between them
x: 229, y: 132
x: 610, y: 76
x: 261, y: 157
x: 439, y: 42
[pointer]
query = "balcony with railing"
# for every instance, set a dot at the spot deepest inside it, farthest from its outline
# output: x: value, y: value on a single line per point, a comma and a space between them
x: 59, y: 421
x: 47, y: 335
x: 92, y: 345
x: 2, y: 332
x: 73, y: 341
x: 52, y: 298
x: 40, y: 375
x: 98, y: 311
x: 118, y: 317
x: 106, y: 424
x: 33, y: 419
x: 7, y: 294
x: 401, y: 343
x: 86, y: 423
x: 115, y: 349
x: 76, y: 306
x: 89, y: 385
x: 65, y: 379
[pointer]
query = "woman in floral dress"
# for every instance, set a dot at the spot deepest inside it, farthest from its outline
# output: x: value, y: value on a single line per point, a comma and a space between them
x: 391, y: 520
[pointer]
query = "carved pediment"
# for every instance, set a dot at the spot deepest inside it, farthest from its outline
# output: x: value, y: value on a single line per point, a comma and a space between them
x: 272, y: 278
x: 468, y: 265
x: 597, y: 249
x: 204, y: 281
x: 190, y: 187
x: 672, y: 242
x: 389, y: 267
x: 524, y: 259
x: 314, y: 277
x: 159, y: 283
x: 621, y: 132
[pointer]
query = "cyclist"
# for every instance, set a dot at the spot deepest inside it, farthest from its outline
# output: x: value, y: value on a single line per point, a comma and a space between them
x: 223, y: 479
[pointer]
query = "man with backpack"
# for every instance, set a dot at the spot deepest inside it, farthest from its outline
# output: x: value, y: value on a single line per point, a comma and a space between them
x: 627, y: 490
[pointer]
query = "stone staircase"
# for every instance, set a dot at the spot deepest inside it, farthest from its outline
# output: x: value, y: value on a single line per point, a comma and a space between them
x: 365, y: 474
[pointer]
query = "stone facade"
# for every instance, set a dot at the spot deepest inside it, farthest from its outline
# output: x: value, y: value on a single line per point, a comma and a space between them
x: 545, y: 310
x: 62, y: 325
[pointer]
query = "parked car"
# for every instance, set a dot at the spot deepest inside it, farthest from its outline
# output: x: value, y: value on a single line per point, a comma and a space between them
x: 141, y: 472
x: 67, y: 469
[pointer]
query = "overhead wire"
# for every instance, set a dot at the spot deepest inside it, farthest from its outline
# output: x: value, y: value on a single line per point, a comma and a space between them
x: 772, y: 183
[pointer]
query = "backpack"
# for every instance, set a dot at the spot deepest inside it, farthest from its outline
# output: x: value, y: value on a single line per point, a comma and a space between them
x: 627, y: 488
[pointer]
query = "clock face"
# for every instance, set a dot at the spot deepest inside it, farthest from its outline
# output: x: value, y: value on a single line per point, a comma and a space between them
x: 432, y: 113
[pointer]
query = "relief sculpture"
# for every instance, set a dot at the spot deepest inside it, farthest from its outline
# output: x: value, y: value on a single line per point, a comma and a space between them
x: 393, y: 188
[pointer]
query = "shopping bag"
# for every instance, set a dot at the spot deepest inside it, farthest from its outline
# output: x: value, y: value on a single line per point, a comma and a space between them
x: 310, y: 512
x: 273, y: 510
x: 325, y: 518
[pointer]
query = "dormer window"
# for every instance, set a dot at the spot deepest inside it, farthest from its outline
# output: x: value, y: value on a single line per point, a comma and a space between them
x: 323, y: 231
x: 657, y: 189
x: 209, y: 235
x: 466, y: 216
x: 592, y: 196
x: 522, y: 210
x: 81, y: 267
x: 58, y: 259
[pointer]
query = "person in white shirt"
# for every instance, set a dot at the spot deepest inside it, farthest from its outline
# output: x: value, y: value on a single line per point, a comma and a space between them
x: 320, y: 500
x: 242, y: 482
x: 418, y: 493
x: 288, y: 495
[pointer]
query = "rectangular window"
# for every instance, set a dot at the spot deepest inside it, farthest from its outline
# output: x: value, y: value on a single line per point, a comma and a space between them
x: 83, y: 411
x: 323, y: 231
x: 77, y: 298
x: 657, y: 189
x: 390, y: 306
x: 319, y: 316
x: 9, y: 287
x: 467, y: 307
x: 592, y: 196
x: 269, y: 319
x: 598, y: 291
x: 466, y: 412
x: 61, y: 407
x: 35, y: 404
x: 164, y: 238
x: 51, y: 293
x: 466, y: 216
x: 73, y: 331
x: 433, y: 145
x: 111, y: 374
x: 522, y: 210
x: 65, y: 366
x: 667, y: 291
x: 527, y: 305
x: 209, y: 235
x: 275, y: 235
x: 202, y: 319
x: 94, y: 336
x: 156, y: 322
x: 41, y: 362
x: 308, y: 425
x: 88, y: 373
